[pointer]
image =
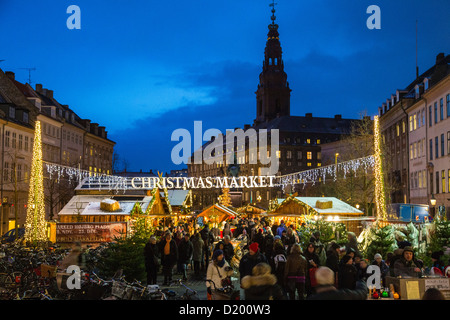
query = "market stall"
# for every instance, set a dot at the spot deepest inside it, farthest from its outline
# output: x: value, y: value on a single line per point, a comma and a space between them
x: 216, y: 214
x: 293, y: 209
x: 414, y: 288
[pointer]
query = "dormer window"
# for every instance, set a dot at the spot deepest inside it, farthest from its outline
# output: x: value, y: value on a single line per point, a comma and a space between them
x: 426, y: 84
x: 417, y: 91
x: 12, y: 112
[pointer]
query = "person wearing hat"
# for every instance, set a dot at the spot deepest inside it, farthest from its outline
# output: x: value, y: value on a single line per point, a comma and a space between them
x: 250, y: 259
x: 407, y: 265
x: 218, y: 270
x: 384, y: 268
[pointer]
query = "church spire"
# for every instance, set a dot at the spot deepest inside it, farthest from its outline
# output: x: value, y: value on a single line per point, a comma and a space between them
x: 273, y: 94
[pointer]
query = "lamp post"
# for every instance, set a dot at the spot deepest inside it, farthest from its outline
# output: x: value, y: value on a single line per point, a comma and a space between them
x: 433, y: 204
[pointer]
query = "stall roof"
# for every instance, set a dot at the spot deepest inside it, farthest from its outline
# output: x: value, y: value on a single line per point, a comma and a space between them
x: 176, y: 197
x: 90, y: 205
x: 226, y: 212
x: 338, y: 207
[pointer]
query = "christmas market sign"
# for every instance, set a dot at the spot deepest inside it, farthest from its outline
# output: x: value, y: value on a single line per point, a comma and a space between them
x: 202, y: 183
x: 89, y: 231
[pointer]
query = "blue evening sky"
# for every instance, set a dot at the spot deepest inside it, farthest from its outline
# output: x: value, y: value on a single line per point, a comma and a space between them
x: 146, y: 68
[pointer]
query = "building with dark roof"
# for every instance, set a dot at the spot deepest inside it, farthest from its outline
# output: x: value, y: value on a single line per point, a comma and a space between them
x: 415, y: 128
x: 300, y: 137
x: 67, y: 140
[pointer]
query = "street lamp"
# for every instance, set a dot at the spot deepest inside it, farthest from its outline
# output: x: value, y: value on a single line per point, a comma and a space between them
x: 433, y: 200
x: 433, y: 204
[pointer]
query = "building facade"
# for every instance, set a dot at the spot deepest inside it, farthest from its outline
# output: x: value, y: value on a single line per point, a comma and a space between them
x: 415, y: 128
x: 65, y: 137
x: 300, y: 137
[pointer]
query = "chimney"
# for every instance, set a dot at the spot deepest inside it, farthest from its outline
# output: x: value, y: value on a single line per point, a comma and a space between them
x: 50, y: 94
x: 440, y: 69
x: 338, y: 117
x: 11, y: 75
x: 38, y: 87
x: 308, y: 115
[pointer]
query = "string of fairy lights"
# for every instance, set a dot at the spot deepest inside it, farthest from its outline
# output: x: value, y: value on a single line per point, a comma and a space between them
x: 321, y: 174
x: 380, y: 199
x: 36, y: 227
x: 35, y: 224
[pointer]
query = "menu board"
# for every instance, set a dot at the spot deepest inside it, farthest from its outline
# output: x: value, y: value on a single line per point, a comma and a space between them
x: 88, y: 232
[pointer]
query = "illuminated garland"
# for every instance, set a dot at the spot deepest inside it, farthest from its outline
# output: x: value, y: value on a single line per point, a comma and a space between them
x: 35, y: 224
x: 320, y: 174
x: 380, y: 199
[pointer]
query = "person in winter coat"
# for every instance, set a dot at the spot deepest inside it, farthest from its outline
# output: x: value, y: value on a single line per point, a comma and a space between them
x: 169, y: 257
x: 332, y: 261
x: 228, y: 249
x: 259, y: 237
x: 407, y: 265
x: 327, y: 291
x: 362, y: 270
x: 348, y: 275
x: 250, y: 259
x: 290, y: 240
x: 295, y: 273
x: 198, y: 244
x: 278, y: 262
x: 280, y: 228
x: 261, y: 284
x: 151, y: 254
x: 218, y: 270
x: 185, y: 252
x: 313, y: 263
x: 208, y: 239
x: 268, y: 244
x: 398, y: 253
x: 384, y: 268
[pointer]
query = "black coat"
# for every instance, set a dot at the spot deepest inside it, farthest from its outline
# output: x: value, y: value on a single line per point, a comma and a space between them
x: 347, y: 277
x: 151, y: 254
x: 333, y: 261
x: 172, y: 257
x: 330, y: 293
x: 185, y: 251
x: 248, y: 262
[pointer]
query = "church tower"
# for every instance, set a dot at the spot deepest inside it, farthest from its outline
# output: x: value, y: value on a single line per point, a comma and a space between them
x: 273, y: 94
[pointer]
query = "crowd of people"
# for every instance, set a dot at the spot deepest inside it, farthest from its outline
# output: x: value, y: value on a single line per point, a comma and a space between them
x: 275, y: 266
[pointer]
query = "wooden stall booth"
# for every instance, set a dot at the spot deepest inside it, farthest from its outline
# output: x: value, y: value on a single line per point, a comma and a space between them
x: 293, y: 209
x: 414, y: 288
x: 216, y: 214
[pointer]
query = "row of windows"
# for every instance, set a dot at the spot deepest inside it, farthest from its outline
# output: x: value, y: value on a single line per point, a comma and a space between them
x: 18, y: 141
x: 417, y: 149
x: 51, y: 130
x: 442, y: 141
x: 418, y: 179
x: 10, y: 172
x: 73, y: 137
x: 439, y: 112
x: 442, y: 181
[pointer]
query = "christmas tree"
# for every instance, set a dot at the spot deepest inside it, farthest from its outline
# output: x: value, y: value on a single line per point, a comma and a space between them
x: 224, y: 198
x: 35, y: 225
x: 377, y: 240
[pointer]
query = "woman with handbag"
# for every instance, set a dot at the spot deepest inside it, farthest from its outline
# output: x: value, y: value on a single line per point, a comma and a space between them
x: 218, y: 273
